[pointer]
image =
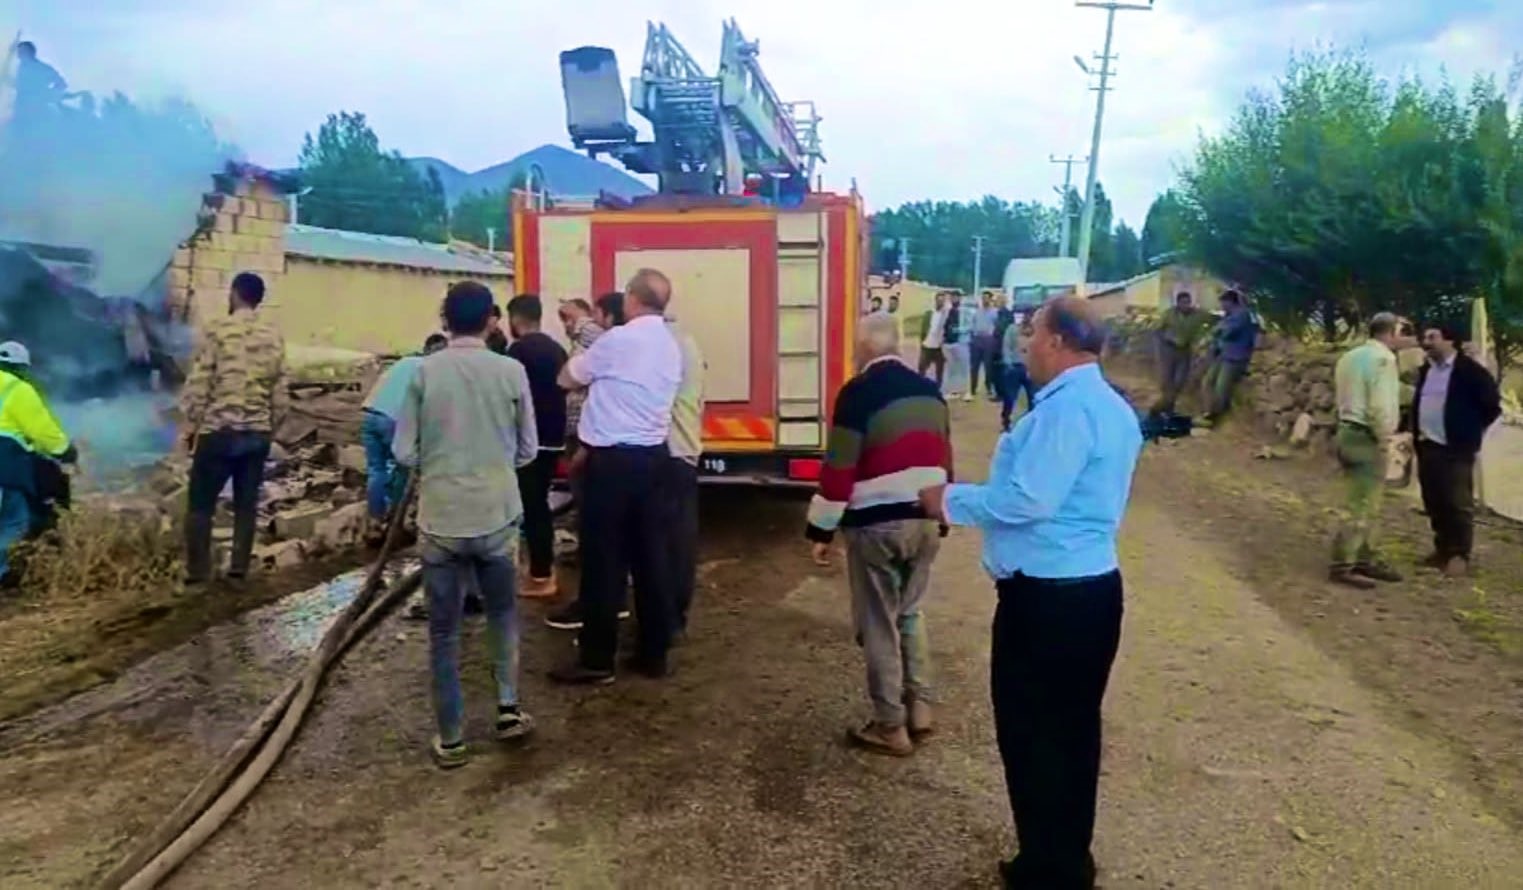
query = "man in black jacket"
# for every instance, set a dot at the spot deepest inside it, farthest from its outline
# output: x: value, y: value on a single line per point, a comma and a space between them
x: 1457, y: 399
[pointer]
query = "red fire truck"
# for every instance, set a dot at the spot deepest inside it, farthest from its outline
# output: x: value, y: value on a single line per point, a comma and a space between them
x: 767, y: 278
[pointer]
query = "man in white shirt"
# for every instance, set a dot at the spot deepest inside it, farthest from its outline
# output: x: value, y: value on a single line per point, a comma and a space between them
x: 933, y: 338
x: 632, y: 374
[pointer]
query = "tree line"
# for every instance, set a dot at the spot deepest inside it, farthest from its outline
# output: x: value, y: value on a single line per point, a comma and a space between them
x: 941, y: 237
x: 1339, y: 193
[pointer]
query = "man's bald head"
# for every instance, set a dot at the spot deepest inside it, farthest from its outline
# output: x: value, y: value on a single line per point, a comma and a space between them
x: 1076, y: 324
x: 1066, y: 332
x: 647, y: 293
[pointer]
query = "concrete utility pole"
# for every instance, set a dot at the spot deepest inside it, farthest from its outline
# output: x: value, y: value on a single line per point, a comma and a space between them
x: 904, y: 259
x: 1087, y: 224
x: 1068, y: 177
x: 978, y: 264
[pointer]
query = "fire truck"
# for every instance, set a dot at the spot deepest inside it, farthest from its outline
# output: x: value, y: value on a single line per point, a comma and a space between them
x: 767, y: 270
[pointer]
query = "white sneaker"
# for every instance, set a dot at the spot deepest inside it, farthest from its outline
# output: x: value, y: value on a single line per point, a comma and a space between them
x: 967, y: 397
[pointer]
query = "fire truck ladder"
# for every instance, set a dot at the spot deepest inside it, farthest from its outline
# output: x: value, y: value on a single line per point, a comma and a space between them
x: 710, y: 132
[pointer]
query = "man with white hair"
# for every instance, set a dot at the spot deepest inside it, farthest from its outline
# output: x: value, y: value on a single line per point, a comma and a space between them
x: 890, y: 436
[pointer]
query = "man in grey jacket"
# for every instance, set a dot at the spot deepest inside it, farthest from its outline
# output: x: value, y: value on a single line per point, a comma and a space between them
x: 466, y: 426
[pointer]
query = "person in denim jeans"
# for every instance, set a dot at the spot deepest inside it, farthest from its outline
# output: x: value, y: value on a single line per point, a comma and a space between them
x: 384, y: 481
x: 466, y: 426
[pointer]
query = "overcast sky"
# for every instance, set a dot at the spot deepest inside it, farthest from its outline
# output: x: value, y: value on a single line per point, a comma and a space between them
x: 948, y: 100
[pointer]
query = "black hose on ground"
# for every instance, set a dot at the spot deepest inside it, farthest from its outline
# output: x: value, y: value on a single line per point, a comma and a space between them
x: 238, y: 773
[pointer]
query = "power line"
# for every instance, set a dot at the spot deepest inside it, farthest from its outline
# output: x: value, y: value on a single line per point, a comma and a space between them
x: 1086, y: 225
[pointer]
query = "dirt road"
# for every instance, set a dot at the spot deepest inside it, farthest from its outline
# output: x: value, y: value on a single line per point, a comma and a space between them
x: 1247, y: 744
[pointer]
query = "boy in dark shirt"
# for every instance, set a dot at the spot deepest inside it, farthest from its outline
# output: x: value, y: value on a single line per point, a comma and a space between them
x: 542, y: 359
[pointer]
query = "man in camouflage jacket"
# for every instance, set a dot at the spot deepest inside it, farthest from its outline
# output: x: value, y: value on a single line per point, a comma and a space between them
x: 234, y: 399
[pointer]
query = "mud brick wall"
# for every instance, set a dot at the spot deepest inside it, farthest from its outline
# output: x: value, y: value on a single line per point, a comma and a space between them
x: 241, y: 228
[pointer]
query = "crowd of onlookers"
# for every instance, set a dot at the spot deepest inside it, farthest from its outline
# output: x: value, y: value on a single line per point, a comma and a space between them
x: 486, y: 417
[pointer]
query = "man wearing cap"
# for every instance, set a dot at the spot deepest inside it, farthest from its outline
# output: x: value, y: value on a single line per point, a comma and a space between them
x: 232, y: 403
x: 27, y: 429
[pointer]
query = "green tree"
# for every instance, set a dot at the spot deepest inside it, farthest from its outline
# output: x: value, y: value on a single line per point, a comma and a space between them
x: 1497, y: 149
x: 1126, y: 253
x: 476, y: 213
x: 1339, y: 195
x: 358, y: 186
x: 1163, y: 232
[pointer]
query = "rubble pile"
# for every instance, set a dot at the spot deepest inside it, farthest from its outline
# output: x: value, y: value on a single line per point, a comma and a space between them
x: 313, y: 501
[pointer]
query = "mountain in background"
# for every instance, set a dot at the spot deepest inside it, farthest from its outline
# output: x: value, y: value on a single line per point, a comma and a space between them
x: 566, y: 172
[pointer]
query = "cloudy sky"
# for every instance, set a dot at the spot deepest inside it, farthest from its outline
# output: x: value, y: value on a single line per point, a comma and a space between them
x: 950, y: 99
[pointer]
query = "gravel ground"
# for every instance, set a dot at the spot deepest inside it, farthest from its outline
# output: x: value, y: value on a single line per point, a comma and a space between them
x: 1244, y: 747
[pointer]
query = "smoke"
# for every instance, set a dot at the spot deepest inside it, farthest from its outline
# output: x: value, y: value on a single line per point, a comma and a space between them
x: 101, y: 193
x: 120, y: 179
x: 118, y: 437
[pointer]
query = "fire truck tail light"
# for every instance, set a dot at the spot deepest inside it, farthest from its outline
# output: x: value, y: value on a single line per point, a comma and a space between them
x: 805, y: 470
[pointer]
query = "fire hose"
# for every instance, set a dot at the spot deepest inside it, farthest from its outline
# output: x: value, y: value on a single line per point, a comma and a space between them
x: 234, y: 778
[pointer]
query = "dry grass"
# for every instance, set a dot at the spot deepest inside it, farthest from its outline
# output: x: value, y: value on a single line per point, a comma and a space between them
x: 102, y: 576
x: 96, y: 552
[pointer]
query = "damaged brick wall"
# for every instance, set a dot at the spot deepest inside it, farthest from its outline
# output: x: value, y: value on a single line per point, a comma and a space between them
x: 241, y: 228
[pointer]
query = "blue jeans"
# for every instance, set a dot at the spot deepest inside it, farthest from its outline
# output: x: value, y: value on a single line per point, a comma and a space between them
x: 15, y: 519
x: 384, y: 480
x: 1014, y: 382
x: 449, y: 567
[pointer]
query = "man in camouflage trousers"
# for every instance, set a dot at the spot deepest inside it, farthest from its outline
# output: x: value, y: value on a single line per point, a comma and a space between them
x: 233, y: 400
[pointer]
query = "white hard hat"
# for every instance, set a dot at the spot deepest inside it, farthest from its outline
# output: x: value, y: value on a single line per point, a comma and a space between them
x: 13, y: 353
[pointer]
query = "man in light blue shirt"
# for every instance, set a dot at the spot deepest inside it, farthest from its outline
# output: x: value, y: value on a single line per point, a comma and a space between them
x: 1057, y: 489
x: 383, y: 479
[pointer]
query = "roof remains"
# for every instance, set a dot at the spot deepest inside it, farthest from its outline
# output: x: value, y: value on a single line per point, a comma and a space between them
x: 390, y: 250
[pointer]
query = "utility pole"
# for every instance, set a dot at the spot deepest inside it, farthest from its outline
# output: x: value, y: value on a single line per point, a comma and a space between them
x: 1087, y: 224
x: 1068, y: 176
x: 978, y: 265
x: 904, y: 259
x: 491, y: 239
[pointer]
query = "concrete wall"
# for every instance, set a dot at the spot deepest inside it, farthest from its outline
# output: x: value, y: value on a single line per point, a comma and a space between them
x: 379, y: 309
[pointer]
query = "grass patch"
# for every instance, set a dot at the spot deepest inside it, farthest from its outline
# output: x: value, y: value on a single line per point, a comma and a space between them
x: 1482, y: 622
x: 96, y: 552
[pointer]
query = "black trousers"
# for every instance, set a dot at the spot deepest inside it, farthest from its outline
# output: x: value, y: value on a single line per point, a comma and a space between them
x: 1447, y: 477
x: 623, y: 529
x: 1054, y: 642
x: 221, y: 455
x: 539, y: 528
x: 682, y: 535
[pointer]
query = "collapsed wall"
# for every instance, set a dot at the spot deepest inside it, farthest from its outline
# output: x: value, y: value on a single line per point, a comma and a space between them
x: 240, y: 228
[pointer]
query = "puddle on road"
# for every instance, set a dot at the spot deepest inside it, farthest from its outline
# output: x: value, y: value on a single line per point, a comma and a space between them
x: 217, y: 673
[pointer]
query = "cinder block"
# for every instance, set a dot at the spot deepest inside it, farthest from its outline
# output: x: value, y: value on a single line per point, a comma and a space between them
x: 210, y: 258
x: 248, y: 225
x: 209, y: 279
x: 275, y: 210
x: 181, y: 258
x: 179, y: 278
x: 222, y: 222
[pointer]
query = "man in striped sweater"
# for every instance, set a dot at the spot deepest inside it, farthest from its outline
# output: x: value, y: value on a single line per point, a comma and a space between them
x: 889, y: 438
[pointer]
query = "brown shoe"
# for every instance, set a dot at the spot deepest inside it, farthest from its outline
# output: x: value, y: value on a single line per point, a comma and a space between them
x: 880, y: 739
x: 920, y: 721
x: 1350, y: 578
x: 539, y: 588
x: 1456, y: 567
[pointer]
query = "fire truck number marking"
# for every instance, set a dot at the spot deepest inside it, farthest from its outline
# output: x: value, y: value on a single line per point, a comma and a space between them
x: 713, y: 465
